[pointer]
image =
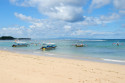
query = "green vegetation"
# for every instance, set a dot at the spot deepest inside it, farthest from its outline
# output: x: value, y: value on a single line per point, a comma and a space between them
x: 12, y: 38
x: 7, y: 38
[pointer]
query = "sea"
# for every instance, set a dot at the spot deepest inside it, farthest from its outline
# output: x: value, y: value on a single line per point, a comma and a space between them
x: 98, y: 50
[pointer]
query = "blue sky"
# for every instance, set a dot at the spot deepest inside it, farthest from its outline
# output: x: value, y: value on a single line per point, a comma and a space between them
x: 62, y: 18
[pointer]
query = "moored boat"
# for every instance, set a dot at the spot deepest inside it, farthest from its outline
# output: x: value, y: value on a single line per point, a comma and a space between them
x: 20, y: 44
x: 48, y: 46
x: 79, y: 45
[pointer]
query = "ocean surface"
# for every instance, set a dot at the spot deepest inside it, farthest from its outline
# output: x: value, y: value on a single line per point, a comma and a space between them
x: 102, y: 50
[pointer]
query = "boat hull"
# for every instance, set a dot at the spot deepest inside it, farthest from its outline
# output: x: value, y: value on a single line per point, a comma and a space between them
x: 79, y: 45
x: 19, y: 45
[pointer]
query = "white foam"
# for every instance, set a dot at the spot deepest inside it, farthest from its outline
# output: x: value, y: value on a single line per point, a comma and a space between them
x: 114, y: 60
x: 36, y: 52
x: 4, y: 48
x: 49, y: 54
x: 93, y: 40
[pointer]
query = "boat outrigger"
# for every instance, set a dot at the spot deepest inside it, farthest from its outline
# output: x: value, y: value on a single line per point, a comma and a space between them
x: 48, y: 46
x: 20, y: 44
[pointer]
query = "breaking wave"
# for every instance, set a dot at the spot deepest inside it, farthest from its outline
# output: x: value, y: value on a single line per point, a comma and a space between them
x: 112, y: 60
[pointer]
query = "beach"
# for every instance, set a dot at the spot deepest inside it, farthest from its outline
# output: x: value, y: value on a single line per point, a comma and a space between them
x: 22, y: 68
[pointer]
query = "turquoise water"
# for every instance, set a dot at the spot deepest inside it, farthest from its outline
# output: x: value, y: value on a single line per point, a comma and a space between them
x: 96, y: 50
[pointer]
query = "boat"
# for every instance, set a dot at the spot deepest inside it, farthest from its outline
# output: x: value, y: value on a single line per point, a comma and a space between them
x: 118, y: 44
x: 79, y: 45
x: 20, y: 44
x: 48, y: 46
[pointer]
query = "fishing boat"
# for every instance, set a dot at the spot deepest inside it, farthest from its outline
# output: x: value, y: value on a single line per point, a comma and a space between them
x: 79, y: 45
x: 118, y: 44
x: 20, y: 44
x: 48, y: 46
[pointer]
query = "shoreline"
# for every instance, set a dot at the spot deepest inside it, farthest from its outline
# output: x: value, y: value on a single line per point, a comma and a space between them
x: 113, y: 56
x: 25, y: 68
x: 66, y: 56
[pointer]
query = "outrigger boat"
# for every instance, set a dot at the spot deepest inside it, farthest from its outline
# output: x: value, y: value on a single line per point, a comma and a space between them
x: 118, y: 44
x: 48, y: 46
x: 79, y: 45
x: 20, y: 44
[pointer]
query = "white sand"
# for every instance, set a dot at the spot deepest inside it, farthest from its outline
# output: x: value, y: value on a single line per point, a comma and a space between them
x: 20, y: 68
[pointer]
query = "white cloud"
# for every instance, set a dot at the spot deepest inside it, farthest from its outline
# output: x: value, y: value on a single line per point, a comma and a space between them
x: 48, y: 3
x: 90, y: 21
x: 57, y: 30
x: 26, y: 18
x: 119, y: 4
x: 122, y: 12
x: 102, y: 20
x: 18, y: 31
x: 35, y: 22
x: 94, y: 21
x: 112, y: 17
x: 49, y: 28
x: 67, y: 10
x: 98, y: 4
x: 80, y: 32
x: 19, y: 2
x: 92, y: 34
x: 63, y: 10
x: 36, y: 25
x: 67, y: 28
x: 66, y: 13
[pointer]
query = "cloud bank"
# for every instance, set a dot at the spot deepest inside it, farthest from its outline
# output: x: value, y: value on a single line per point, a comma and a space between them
x: 46, y: 28
x: 67, y: 18
x: 66, y: 10
x: 118, y: 4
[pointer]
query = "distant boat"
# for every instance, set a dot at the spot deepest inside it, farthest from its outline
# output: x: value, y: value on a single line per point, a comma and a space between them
x: 118, y: 44
x: 79, y: 45
x: 48, y: 46
x: 20, y: 44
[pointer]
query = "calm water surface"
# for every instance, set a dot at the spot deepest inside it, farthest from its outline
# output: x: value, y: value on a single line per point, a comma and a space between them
x: 96, y: 50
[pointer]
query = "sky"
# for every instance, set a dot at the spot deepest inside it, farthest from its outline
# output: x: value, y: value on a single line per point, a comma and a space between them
x: 103, y: 19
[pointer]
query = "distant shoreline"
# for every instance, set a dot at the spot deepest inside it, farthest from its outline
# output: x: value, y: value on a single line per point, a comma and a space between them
x: 12, y: 38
